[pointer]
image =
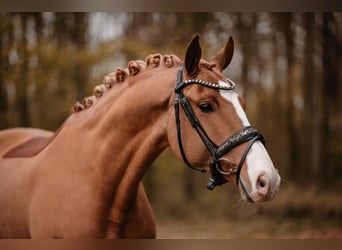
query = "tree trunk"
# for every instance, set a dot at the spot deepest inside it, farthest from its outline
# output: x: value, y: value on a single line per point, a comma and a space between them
x: 80, y: 40
x: 247, y: 51
x: 3, y: 69
x: 22, y: 84
x: 294, y: 155
x: 330, y: 88
x: 310, y: 87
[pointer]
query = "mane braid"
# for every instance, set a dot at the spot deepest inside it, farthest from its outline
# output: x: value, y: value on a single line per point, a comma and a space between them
x: 120, y: 75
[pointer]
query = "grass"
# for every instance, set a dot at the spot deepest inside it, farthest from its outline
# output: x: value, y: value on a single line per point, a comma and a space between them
x: 257, y: 228
x: 296, y: 213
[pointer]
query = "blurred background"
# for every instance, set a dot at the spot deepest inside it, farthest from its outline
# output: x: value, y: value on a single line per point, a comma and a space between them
x: 286, y: 65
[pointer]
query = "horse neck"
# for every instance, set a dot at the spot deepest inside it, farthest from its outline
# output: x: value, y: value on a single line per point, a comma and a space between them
x: 126, y: 132
x: 132, y: 121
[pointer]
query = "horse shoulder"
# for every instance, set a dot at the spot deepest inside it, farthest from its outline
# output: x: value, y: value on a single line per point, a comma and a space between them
x: 139, y: 222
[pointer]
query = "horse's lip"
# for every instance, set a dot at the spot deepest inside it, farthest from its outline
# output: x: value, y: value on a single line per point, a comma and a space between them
x: 244, y: 191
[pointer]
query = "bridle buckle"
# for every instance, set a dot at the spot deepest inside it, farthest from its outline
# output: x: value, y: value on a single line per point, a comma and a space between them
x: 232, y: 170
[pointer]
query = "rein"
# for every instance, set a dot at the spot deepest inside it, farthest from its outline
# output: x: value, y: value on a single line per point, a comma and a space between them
x: 246, y: 134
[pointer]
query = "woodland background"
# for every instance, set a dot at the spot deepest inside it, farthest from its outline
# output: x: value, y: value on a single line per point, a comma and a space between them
x: 287, y: 66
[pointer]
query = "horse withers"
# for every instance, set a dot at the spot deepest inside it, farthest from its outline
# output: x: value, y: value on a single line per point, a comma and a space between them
x: 84, y: 180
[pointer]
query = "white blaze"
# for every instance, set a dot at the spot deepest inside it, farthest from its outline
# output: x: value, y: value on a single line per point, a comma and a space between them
x: 258, y: 160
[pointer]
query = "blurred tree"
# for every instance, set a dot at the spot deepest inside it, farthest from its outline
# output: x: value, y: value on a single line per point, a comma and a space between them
x: 311, y: 90
x: 22, y: 83
x: 246, y: 27
x: 331, y: 54
x: 80, y: 40
x: 286, y: 25
x: 3, y: 68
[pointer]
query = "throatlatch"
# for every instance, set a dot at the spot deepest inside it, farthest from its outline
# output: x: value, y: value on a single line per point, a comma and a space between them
x: 246, y: 134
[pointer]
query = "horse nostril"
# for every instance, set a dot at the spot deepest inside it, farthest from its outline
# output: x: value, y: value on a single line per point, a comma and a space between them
x: 263, y: 185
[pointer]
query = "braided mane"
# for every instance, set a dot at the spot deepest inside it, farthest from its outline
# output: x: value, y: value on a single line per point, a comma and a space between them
x: 120, y: 75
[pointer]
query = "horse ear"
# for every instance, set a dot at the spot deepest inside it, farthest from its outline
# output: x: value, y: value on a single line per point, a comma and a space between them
x: 192, y: 57
x: 224, y: 56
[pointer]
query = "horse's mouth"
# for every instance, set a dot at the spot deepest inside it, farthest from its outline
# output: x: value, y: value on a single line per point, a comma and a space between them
x: 244, y: 191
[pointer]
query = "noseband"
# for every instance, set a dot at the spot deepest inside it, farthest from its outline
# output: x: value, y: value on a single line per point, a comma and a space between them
x: 246, y: 134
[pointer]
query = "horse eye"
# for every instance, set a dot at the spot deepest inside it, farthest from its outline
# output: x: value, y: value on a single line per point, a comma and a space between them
x: 206, y: 107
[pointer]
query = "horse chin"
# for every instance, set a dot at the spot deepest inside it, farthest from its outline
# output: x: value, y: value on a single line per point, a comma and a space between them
x: 245, y: 192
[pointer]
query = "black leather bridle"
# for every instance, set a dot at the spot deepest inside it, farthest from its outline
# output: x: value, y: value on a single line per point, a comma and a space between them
x: 246, y: 134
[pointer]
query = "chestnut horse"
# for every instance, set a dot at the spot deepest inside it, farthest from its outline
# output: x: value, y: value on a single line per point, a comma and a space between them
x: 84, y: 180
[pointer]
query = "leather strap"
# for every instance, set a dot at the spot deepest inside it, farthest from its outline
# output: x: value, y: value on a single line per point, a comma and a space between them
x: 245, y: 134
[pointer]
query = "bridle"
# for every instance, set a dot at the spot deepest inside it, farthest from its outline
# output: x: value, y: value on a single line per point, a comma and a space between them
x: 246, y: 134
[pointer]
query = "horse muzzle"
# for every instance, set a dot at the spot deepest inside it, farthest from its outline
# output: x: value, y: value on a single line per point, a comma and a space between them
x: 265, y: 188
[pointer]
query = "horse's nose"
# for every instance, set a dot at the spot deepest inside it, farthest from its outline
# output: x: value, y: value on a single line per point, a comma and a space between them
x: 263, y: 186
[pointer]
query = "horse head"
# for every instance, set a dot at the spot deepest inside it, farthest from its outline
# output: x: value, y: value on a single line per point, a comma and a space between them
x: 210, y: 131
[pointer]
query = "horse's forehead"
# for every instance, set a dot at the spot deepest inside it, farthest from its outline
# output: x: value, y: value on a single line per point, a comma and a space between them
x: 205, y: 64
x: 233, y: 99
x: 210, y: 73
